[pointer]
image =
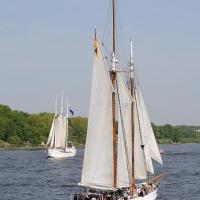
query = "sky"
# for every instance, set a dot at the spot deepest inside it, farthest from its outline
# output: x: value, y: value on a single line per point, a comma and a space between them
x: 48, y: 45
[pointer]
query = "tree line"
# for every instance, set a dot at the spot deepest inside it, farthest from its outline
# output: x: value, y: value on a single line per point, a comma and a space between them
x: 18, y: 128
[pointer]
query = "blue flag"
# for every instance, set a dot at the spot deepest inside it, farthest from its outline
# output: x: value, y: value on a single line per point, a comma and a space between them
x: 71, y: 111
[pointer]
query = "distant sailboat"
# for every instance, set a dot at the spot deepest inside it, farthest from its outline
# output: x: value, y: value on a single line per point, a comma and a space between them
x: 58, y: 137
x: 115, y: 169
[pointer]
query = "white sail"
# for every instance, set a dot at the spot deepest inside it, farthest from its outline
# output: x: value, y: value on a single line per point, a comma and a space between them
x: 98, y: 160
x: 144, y: 135
x: 52, y: 144
x: 58, y: 123
x: 60, y: 131
x: 151, y: 141
x: 139, y: 158
x: 64, y: 131
x: 124, y: 157
x: 148, y: 138
x: 51, y: 133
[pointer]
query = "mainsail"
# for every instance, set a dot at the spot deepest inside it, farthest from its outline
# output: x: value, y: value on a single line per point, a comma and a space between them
x: 64, y: 132
x: 124, y: 157
x: 58, y: 131
x: 140, y: 163
x: 98, y: 160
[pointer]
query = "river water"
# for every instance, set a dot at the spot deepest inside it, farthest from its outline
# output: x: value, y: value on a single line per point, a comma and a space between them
x: 28, y: 175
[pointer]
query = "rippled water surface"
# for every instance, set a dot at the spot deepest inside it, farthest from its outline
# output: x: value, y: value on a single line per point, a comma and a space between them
x: 28, y: 175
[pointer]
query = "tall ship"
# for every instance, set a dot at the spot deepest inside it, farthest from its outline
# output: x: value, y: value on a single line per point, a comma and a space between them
x: 120, y: 143
x: 57, y: 143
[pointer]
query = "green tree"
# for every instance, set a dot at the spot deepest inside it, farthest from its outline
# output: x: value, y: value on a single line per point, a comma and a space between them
x: 78, y: 130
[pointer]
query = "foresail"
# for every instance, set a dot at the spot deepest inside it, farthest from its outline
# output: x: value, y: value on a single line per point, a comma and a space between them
x: 50, y: 138
x: 153, y: 147
x: 139, y: 158
x: 144, y: 134
x: 124, y: 155
x: 98, y: 160
x: 52, y: 144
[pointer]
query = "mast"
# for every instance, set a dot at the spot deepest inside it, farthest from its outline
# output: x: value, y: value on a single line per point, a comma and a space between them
x: 67, y: 129
x: 67, y: 114
x: 56, y: 105
x: 61, y: 108
x: 132, y: 88
x: 113, y: 24
x: 113, y: 80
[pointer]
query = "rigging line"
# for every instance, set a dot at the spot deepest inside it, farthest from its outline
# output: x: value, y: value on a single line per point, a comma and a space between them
x: 106, y: 50
x: 124, y: 137
x: 137, y: 77
x: 123, y: 57
x: 109, y: 52
x: 107, y: 57
x: 120, y: 32
x: 121, y: 54
x: 107, y: 20
x: 123, y: 32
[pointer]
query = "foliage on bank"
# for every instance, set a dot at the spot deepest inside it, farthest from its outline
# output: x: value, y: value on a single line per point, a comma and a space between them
x: 22, y: 129
x: 177, y: 134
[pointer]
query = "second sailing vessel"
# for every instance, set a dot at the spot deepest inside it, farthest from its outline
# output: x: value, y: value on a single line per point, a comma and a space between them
x: 57, y: 143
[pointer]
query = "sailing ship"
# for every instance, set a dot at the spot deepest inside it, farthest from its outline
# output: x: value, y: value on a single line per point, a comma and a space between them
x: 57, y: 142
x: 118, y: 165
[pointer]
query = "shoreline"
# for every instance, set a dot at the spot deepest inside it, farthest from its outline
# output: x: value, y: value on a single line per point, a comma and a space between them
x: 21, y: 148
x: 78, y: 146
x: 27, y: 147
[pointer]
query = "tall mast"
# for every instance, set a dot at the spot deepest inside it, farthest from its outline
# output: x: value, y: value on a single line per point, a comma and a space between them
x: 113, y: 80
x: 56, y: 105
x: 67, y: 128
x: 67, y: 113
x: 61, y: 107
x: 113, y: 24
x: 132, y: 88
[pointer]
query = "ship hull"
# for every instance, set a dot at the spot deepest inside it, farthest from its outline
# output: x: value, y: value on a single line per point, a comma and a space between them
x: 150, y: 196
x: 60, y: 153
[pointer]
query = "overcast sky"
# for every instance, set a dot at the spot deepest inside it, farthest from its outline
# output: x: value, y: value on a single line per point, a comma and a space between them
x: 47, y: 45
